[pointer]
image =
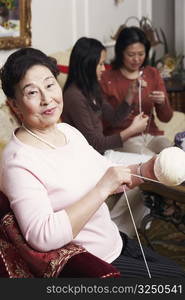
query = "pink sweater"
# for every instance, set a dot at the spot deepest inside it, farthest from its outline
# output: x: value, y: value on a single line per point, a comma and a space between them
x: 41, y: 183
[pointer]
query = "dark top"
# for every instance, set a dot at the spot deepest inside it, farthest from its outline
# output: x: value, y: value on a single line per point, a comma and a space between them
x: 78, y: 113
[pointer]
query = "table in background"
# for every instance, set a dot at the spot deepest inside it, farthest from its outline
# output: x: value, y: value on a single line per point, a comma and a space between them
x: 176, y: 92
x: 158, y: 198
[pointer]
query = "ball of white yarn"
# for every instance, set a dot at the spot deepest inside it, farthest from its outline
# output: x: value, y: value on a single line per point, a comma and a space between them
x: 169, y: 166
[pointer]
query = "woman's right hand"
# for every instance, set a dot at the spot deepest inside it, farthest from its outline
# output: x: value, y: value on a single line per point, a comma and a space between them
x: 114, y: 181
x: 139, y: 123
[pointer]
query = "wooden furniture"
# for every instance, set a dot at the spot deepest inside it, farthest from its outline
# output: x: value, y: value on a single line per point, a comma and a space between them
x: 165, y: 203
x: 176, y: 92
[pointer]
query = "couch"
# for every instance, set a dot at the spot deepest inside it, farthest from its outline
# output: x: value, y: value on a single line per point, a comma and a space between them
x: 82, y: 264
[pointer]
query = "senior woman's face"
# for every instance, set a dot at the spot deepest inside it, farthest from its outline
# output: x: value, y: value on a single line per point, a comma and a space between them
x: 39, y: 101
x: 134, y: 56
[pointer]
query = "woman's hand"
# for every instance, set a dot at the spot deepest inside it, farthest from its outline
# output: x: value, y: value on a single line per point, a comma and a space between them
x: 114, y: 181
x: 157, y: 97
x: 145, y: 170
x: 139, y: 123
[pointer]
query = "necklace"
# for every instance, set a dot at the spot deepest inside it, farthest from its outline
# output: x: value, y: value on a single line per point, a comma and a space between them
x: 38, y: 137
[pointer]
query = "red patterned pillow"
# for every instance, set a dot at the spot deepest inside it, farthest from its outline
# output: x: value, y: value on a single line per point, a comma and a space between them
x: 19, y: 260
x: 40, y: 264
x: 4, y: 205
x: 11, y: 263
x: 87, y: 265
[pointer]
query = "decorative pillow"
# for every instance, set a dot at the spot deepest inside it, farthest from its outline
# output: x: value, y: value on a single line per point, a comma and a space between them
x: 87, y: 265
x: 11, y: 263
x: 8, y: 122
x: 62, y: 58
x: 18, y: 259
x: 41, y: 264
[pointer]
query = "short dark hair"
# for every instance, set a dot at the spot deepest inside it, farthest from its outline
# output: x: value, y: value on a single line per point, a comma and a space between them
x: 83, y: 62
x: 126, y: 37
x: 18, y: 64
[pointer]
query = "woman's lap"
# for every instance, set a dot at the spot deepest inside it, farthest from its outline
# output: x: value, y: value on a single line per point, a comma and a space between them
x: 131, y: 263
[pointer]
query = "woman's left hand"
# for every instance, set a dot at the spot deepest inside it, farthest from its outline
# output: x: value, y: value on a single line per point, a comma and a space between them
x: 157, y: 97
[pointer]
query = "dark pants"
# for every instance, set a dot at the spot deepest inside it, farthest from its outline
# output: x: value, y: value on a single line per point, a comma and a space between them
x: 131, y: 263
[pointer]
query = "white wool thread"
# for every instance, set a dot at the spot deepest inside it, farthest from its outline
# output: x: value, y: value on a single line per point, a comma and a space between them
x: 142, y: 251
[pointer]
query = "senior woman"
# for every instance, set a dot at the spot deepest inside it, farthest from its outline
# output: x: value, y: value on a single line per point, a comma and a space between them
x: 56, y: 182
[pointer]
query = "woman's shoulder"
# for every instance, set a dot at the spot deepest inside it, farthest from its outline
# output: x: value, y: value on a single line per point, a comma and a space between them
x: 73, y: 94
x: 152, y: 71
x: 110, y: 77
x: 72, y: 90
x: 109, y: 74
x: 16, y: 153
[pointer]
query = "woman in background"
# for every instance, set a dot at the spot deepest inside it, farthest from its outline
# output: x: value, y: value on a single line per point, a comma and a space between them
x: 130, y: 63
x: 85, y: 105
x: 86, y: 109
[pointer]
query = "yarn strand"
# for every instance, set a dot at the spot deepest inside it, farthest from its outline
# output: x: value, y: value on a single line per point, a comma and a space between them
x: 145, y: 261
x: 145, y: 178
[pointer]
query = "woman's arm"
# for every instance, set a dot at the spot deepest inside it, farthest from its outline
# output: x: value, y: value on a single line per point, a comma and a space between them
x: 163, y: 107
x: 80, y: 212
x: 42, y: 227
x: 114, y: 116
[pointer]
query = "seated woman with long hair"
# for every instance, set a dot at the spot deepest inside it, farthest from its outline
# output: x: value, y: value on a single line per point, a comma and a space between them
x: 86, y: 107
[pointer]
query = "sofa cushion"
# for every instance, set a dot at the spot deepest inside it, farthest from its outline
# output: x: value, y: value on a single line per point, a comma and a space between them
x: 18, y: 259
x: 175, y: 125
x: 62, y: 58
x: 8, y: 122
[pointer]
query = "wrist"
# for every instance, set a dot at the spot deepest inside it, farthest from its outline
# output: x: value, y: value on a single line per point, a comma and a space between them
x: 140, y: 173
x: 147, y: 169
x: 127, y: 133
